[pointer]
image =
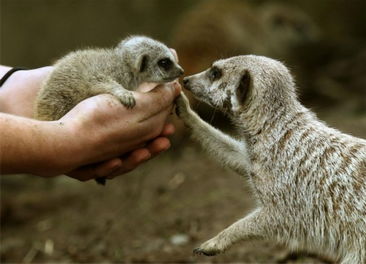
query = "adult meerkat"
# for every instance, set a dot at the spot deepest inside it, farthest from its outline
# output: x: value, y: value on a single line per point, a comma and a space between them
x: 117, y: 71
x: 309, y: 180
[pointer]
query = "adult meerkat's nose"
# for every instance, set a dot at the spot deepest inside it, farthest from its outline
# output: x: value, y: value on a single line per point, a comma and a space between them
x: 186, y: 83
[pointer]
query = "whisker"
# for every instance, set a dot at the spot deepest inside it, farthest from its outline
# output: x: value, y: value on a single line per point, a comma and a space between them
x: 213, y: 115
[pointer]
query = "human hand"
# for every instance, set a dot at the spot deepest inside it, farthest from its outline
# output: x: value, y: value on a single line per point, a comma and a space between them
x: 18, y: 100
x: 113, y: 131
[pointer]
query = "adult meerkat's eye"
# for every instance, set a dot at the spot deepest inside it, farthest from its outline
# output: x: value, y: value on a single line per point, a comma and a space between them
x: 215, y: 73
x: 166, y: 63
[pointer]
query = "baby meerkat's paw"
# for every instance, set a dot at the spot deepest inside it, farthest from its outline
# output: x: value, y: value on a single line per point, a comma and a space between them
x: 211, y: 247
x: 182, y: 105
x: 126, y: 98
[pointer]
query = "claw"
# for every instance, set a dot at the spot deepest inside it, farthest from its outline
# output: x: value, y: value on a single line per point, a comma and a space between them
x: 200, y: 251
x: 128, y: 101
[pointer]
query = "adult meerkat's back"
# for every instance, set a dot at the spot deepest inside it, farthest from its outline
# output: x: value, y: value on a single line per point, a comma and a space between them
x: 117, y: 71
x: 309, y: 179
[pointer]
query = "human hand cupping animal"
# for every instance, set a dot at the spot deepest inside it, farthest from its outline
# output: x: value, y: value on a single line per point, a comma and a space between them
x: 97, y: 138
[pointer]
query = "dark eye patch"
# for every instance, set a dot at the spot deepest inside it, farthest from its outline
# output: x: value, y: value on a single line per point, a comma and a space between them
x: 165, y: 63
x: 214, y: 73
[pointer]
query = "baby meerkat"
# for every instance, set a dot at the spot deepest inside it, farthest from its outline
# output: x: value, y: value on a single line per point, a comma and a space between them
x: 309, y: 179
x: 117, y: 71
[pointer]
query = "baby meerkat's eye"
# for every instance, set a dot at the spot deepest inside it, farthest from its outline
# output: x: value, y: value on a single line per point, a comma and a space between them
x: 166, y: 63
x: 215, y: 73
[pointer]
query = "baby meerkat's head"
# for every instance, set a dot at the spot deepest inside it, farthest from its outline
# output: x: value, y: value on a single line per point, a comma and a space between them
x: 237, y: 84
x: 149, y: 60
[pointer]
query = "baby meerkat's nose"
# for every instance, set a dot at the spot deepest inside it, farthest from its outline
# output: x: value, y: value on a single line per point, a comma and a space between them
x: 180, y: 71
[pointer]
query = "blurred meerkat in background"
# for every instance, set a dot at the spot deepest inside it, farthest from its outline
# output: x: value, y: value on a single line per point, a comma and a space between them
x: 218, y: 29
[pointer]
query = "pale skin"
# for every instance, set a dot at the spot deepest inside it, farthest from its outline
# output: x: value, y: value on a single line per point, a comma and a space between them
x: 98, y: 138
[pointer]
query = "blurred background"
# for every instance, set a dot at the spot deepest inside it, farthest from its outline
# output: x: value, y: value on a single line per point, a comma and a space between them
x: 161, y: 211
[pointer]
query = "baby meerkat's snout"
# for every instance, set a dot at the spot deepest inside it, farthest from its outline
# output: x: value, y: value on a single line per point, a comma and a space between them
x: 171, y: 68
x: 180, y: 71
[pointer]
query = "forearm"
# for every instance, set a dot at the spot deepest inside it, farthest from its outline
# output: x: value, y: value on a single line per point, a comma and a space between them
x: 20, y: 90
x: 27, y: 146
x: 3, y: 70
x: 225, y: 149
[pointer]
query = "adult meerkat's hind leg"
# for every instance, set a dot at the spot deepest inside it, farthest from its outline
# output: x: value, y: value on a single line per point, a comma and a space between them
x: 233, y: 153
x: 112, y: 87
x: 253, y: 226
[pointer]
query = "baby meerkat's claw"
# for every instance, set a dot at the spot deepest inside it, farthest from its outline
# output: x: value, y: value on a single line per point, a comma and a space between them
x: 127, y: 99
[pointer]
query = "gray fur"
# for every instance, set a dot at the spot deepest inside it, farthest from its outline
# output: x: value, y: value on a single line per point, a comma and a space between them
x: 309, y: 179
x: 85, y: 73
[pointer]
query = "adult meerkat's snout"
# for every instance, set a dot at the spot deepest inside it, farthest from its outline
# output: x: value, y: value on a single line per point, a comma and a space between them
x: 222, y: 86
x: 186, y: 83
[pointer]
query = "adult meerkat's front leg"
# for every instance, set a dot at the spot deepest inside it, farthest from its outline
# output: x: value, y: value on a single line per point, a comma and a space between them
x: 226, y: 149
x: 253, y: 226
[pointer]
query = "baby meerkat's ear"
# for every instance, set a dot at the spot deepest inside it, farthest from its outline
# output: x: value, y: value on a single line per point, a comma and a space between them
x: 141, y: 63
x: 243, y: 87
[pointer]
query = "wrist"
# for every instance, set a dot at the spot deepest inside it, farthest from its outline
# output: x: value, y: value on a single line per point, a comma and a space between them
x: 48, y: 149
x: 61, y: 148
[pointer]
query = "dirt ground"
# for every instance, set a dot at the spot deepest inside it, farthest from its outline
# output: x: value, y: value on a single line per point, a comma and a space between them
x: 155, y: 214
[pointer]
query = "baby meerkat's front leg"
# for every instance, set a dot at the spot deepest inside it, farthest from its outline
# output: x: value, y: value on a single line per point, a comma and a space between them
x: 231, y: 152
x: 125, y: 96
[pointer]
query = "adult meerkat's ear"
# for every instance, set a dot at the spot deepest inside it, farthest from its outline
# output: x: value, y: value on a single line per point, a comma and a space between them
x: 242, y: 90
x: 141, y: 63
x: 243, y: 87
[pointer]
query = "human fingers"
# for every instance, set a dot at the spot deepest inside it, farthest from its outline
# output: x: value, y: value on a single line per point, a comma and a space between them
x: 134, y: 159
x: 168, y: 130
x: 158, y: 145
x: 139, y: 156
x: 155, y: 126
x: 94, y: 171
x: 158, y: 99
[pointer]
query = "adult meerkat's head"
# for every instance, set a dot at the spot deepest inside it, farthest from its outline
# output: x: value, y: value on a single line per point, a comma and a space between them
x: 149, y: 60
x: 243, y: 83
